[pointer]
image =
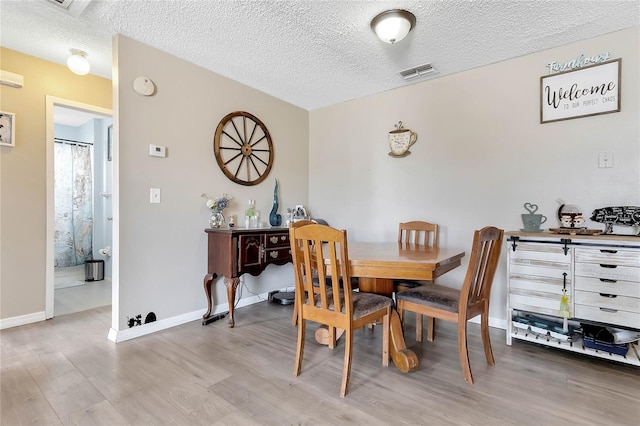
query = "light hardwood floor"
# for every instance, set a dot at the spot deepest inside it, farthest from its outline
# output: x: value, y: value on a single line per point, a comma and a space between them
x: 65, y: 371
x: 73, y: 294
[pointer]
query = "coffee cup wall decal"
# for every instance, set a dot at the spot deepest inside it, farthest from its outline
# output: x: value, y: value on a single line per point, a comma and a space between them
x: 400, y: 140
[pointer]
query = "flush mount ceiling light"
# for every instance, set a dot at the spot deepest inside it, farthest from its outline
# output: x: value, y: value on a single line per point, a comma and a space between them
x: 77, y: 62
x: 393, y: 25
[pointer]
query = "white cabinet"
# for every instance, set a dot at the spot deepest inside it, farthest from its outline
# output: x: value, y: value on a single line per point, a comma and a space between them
x: 601, y: 275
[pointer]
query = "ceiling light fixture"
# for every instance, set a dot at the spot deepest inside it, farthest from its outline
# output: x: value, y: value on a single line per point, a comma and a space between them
x: 393, y: 25
x: 77, y: 62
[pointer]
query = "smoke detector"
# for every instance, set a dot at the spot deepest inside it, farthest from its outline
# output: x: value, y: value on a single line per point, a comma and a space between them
x: 72, y: 7
x: 419, y: 71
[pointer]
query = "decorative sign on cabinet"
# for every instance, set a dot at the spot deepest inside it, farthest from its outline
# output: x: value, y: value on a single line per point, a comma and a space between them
x: 601, y: 276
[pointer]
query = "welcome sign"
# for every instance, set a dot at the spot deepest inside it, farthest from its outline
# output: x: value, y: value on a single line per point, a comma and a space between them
x: 587, y: 91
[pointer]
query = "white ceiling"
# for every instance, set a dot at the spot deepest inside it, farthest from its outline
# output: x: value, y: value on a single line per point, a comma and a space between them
x: 313, y: 53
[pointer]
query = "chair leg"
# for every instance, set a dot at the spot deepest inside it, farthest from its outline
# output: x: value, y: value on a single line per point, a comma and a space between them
x: 418, y: 327
x: 431, y: 329
x: 332, y: 337
x: 385, y: 338
x: 486, y: 340
x: 294, y: 316
x: 462, y: 349
x: 346, y: 370
x: 297, y: 368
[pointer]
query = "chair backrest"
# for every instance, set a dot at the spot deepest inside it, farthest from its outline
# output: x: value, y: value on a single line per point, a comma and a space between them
x: 418, y: 232
x: 321, y: 251
x: 485, y: 254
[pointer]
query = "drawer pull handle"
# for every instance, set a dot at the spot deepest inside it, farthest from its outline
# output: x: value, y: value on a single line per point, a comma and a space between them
x: 608, y: 251
x: 610, y: 296
x: 602, y: 265
x: 613, y: 311
x: 273, y: 240
x: 607, y: 280
x: 273, y: 254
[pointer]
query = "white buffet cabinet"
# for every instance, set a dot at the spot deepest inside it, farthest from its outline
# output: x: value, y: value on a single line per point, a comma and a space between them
x: 601, y: 275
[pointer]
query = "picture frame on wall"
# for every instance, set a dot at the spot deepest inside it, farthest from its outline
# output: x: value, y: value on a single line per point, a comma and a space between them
x: 7, y: 128
x: 584, y: 92
x: 110, y: 143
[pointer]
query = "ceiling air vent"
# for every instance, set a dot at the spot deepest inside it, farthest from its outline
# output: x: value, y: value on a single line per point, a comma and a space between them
x: 72, y: 7
x: 419, y: 71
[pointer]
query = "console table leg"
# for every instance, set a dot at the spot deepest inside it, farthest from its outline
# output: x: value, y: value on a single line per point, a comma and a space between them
x: 208, y: 281
x: 232, y: 284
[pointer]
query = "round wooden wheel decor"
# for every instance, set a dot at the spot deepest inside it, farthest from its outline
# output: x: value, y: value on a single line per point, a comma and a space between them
x: 243, y: 148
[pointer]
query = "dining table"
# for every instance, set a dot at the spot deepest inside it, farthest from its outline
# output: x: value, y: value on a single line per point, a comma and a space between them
x: 378, y: 264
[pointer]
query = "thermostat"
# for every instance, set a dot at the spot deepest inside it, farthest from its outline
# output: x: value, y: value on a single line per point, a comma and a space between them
x: 157, y: 150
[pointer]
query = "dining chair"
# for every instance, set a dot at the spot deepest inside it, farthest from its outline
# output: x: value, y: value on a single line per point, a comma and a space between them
x: 322, y: 251
x: 294, y: 316
x: 459, y: 306
x: 416, y: 232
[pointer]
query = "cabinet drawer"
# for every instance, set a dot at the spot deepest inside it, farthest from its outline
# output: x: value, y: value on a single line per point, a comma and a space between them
x: 601, y: 285
x: 519, y: 284
x: 548, y: 253
x: 608, y: 301
x: 608, y: 271
x: 541, y: 303
x: 282, y: 254
x: 277, y: 240
x: 623, y: 318
x: 608, y: 257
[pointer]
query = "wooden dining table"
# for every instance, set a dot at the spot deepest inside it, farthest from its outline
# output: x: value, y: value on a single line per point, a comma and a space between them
x: 377, y: 264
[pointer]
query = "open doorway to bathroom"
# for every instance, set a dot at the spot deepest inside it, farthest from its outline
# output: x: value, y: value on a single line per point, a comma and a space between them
x: 81, y: 212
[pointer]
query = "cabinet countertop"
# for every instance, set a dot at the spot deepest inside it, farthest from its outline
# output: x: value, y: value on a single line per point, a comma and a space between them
x: 553, y: 235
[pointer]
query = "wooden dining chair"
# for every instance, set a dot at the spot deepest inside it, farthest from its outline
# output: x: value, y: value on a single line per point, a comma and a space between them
x: 322, y: 251
x: 416, y: 232
x: 459, y: 306
x: 297, y: 224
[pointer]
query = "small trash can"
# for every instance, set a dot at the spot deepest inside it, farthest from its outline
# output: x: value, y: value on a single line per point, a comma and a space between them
x: 94, y: 270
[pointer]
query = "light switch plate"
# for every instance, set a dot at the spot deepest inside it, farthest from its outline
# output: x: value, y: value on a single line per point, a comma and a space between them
x: 157, y: 150
x: 605, y: 160
x: 154, y: 195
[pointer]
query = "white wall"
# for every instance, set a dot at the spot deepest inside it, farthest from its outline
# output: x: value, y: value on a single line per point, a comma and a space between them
x: 162, y: 247
x: 481, y: 153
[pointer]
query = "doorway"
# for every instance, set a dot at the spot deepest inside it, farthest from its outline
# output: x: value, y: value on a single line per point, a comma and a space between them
x: 79, y: 209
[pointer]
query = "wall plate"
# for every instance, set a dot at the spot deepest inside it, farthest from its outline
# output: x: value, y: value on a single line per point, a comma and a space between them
x: 144, y: 86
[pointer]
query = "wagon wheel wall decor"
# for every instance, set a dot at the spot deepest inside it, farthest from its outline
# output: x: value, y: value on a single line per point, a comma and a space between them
x: 243, y: 148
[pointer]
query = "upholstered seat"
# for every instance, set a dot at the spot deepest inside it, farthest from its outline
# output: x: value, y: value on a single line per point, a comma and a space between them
x: 435, y: 295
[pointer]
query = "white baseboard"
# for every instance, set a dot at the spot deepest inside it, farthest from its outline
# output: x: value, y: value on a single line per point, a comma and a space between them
x: 22, y: 320
x: 118, y: 336
x: 493, y: 322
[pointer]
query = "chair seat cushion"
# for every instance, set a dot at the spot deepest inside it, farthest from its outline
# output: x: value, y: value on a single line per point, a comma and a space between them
x: 363, y: 303
x: 435, y: 295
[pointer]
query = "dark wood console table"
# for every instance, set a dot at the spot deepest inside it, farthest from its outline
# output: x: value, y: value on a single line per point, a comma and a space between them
x: 236, y: 251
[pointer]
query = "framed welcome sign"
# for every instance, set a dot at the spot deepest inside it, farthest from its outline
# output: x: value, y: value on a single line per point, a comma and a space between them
x: 587, y: 91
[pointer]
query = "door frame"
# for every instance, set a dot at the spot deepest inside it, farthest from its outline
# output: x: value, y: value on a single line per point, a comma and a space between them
x: 51, y: 102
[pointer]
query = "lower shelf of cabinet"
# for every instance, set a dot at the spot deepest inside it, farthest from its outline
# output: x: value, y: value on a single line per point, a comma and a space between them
x: 632, y: 356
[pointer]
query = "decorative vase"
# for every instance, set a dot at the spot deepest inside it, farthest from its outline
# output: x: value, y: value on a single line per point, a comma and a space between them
x: 216, y: 220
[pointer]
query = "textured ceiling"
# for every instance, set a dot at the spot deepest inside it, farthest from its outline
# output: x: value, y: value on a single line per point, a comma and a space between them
x: 312, y: 53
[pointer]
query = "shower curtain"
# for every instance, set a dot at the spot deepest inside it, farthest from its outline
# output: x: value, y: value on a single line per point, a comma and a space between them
x: 73, y: 204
